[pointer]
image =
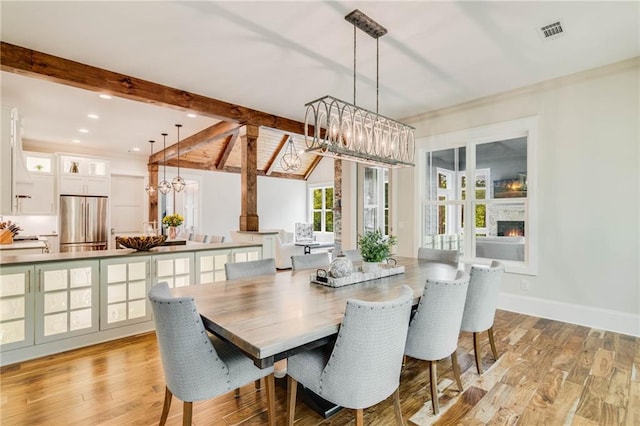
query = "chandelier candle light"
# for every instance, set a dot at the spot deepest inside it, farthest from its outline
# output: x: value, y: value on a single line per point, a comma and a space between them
x: 164, y: 186
x: 346, y: 131
x: 178, y: 183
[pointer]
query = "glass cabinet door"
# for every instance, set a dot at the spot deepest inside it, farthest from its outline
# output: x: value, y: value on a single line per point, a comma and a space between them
x: 126, y: 282
x: 16, y: 307
x: 66, y: 299
x: 175, y: 269
x: 246, y: 254
x: 210, y: 265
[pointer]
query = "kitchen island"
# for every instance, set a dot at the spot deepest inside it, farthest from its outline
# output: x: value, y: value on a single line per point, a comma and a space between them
x: 56, y: 302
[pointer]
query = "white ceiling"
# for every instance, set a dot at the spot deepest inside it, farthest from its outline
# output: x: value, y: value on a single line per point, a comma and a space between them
x: 276, y: 56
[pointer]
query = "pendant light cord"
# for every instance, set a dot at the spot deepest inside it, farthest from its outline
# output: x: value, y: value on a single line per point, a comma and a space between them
x: 164, y: 156
x: 178, y: 126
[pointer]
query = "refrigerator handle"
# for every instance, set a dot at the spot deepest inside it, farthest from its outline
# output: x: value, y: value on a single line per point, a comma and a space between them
x: 86, y: 222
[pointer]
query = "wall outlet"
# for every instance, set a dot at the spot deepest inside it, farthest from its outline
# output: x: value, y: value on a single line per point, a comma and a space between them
x: 524, y: 285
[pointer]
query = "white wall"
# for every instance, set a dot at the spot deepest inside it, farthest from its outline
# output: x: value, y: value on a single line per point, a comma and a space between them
x: 281, y: 202
x: 588, y: 193
x: 323, y: 173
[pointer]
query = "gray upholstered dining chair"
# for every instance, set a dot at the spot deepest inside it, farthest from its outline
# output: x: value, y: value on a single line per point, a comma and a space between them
x: 214, y: 239
x: 310, y: 261
x: 252, y: 268
x: 354, y: 255
x: 435, y: 327
x: 437, y: 255
x: 199, y: 238
x: 198, y: 366
x: 480, y: 307
x: 363, y: 366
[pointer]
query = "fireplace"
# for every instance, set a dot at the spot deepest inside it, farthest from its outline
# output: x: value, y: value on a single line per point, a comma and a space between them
x: 511, y: 228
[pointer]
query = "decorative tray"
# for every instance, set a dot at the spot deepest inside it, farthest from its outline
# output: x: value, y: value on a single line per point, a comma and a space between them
x: 357, y: 276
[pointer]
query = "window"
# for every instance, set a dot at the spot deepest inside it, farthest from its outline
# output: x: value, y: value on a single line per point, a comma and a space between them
x: 477, y: 195
x: 322, y: 208
x: 376, y: 199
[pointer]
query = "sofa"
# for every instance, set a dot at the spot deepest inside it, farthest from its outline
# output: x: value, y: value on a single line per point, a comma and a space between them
x: 502, y: 248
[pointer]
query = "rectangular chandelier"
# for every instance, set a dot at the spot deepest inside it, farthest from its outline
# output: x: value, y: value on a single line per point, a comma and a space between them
x: 342, y: 130
x: 345, y: 131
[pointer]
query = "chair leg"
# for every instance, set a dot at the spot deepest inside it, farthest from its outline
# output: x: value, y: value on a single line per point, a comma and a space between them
x: 456, y: 370
x: 237, y: 393
x: 359, y: 417
x: 258, y: 385
x: 165, y: 407
x: 396, y: 406
x: 492, y: 343
x: 187, y: 412
x: 292, y: 389
x: 476, y: 349
x: 433, y: 376
x: 271, y: 398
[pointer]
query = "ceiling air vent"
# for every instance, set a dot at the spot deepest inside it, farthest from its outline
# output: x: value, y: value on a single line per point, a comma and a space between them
x: 551, y: 31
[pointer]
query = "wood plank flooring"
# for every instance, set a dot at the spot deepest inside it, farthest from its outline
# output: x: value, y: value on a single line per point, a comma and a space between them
x: 548, y: 373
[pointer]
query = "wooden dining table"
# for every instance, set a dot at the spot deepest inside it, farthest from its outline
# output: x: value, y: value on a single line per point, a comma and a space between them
x: 275, y: 316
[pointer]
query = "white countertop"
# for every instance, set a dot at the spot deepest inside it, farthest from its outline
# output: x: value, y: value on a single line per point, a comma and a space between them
x: 22, y: 245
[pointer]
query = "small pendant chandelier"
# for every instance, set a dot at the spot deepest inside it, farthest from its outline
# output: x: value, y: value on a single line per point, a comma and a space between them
x: 178, y: 183
x: 150, y: 189
x: 290, y: 161
x: 164, y: 186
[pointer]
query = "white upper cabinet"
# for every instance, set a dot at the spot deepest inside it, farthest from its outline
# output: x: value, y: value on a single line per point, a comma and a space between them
x: 37, y: 194
x: 83, y: 175
x: 9, y: 138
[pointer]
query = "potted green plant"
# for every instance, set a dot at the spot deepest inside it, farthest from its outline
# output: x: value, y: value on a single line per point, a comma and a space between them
x: 374, y: 248
x: 172, y: 221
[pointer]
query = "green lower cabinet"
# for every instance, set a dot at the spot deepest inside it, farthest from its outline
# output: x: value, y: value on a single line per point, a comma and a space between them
x: 210, y: 265
x: 125, y: 284
x: 17, y: 308
x: 246, y: 254
x: 176, y: 269
x: 66, y: 299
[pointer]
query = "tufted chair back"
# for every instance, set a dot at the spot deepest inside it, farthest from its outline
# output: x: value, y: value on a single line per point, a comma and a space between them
x: 437, y: 255
x: 252, y: 268
x: 192, y: 369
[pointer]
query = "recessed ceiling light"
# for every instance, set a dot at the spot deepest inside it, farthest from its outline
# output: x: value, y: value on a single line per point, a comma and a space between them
x: 103, y: 96
x: 191, y: 115
x: 94, y: 116
x: 83, y: 130
x: 135, y: 149
x: 76, y: 141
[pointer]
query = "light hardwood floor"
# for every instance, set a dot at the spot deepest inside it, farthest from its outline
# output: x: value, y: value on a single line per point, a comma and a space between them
x: 549, y: 373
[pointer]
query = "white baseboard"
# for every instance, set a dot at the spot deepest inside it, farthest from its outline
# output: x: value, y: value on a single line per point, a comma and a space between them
x: 604, y: 319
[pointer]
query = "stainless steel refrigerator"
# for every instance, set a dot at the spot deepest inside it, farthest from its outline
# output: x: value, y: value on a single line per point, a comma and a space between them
x: 83, y: 223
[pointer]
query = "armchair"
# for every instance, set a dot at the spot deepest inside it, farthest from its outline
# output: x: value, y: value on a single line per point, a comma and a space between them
x: 285, y: 248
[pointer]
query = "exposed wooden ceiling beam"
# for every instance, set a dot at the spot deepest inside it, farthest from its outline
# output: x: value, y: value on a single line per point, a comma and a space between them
x: 210, y: 166
x: 41, y: 65
x: 228, y: 147
x: 197, y: 140
x: 273, y: 161
x: 184, y: 164
x: 263, y: 173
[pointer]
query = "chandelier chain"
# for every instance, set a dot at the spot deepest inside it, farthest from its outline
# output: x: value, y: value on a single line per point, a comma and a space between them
x: 354, y: 64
